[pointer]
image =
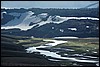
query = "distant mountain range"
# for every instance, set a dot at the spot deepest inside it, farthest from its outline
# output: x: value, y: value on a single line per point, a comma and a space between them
x: 50, y: 22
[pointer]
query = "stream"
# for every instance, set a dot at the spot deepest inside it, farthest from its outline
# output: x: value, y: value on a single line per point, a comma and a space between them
x: 53, y: 54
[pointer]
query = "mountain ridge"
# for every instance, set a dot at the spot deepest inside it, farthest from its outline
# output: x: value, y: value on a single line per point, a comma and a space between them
x: 41, y: 23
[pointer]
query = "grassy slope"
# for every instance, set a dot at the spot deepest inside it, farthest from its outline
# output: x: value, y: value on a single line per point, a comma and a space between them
x: 84, y: 45
x: 13, y: 53
x: 13, y: 50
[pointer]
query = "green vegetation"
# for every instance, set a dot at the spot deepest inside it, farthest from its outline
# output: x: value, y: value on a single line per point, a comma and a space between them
x: 32, y: 42
x: 13, y: 47
x: 13, y: 50
x: 82, y: 46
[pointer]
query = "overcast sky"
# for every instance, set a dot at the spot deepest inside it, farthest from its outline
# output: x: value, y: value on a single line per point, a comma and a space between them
x: 46, y: 4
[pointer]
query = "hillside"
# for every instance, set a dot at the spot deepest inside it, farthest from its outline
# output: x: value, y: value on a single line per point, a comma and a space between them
x: 13, y: 53
x: 83, y: 52
x: 59, y: 22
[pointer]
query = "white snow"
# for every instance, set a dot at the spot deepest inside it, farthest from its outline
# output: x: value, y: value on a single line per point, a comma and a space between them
x: 59, y: 19
x: 97, y: 28
x: 26, y: 18
x: 61, y: 30
x: 90, y: 57
x: 97, y: 64
x: 55, y: 42
x: 4, y: 12
x: 87, y: 50
x: 84, y: 58
x: 23, y: 22
x: 44, y: 14
x: 65, y: 54
x: 17, y: 21
x: 72, y: 29
x: 54, y: 54
x: 94, y: 52
x: 87, y: 26
x: 65, y: 37
x: 52, y: 27
x: 32, y: 36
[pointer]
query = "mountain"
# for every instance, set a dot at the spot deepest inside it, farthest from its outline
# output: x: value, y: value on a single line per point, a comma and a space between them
x: 50, y: 22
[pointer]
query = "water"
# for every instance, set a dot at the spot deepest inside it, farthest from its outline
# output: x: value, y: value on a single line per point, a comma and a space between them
x: 58, y: 57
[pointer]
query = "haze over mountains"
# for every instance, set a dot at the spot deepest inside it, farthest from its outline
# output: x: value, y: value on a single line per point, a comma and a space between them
x: 47, y: 4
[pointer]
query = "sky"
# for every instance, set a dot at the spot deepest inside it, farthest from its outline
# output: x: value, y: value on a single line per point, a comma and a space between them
x: 46, y: 4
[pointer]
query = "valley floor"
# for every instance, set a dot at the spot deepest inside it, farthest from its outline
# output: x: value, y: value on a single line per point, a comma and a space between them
x: 13, y: 51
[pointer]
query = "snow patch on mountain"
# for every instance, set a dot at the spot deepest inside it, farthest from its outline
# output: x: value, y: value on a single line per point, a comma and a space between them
x: 65, y: 37
x: 53, y: 27
x: 17, y: 21
x: 61, y: 30
x: 23, y: 20
x: 72, y: 29
x: 19, y: 26
x: 43, y: 15
x: 87, y: 26
x: 4, y: 12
